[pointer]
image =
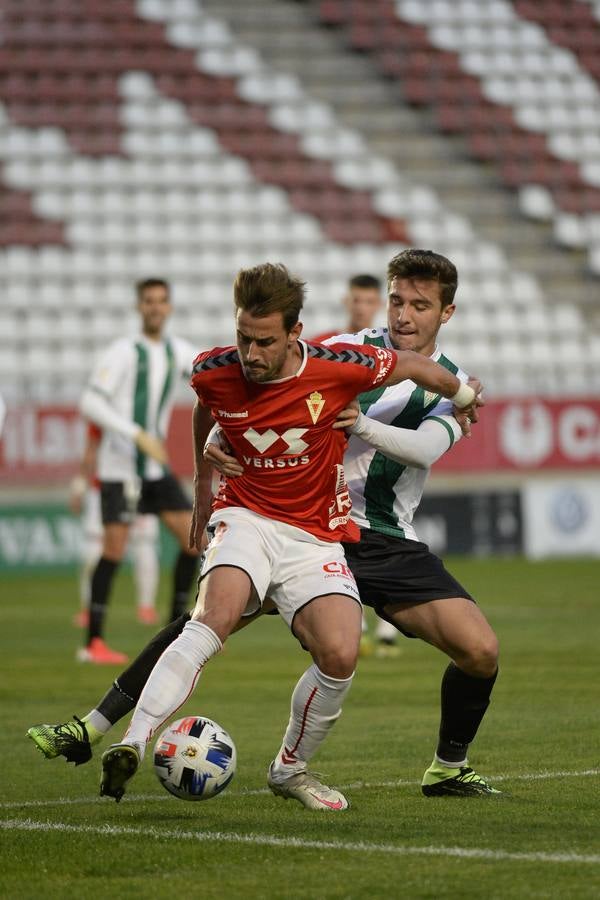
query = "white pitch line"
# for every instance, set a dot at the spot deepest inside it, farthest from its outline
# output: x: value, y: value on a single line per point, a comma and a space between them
x: 355, y: 786
x: 269, y: 840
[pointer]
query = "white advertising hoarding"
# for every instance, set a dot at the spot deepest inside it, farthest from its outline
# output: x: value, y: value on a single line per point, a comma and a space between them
x: 561, y: 518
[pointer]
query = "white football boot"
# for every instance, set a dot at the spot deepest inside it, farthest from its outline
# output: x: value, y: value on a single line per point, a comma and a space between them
x: 306, y: 787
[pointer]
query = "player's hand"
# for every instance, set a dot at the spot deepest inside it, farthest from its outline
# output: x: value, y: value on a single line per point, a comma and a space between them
x: 77, y: 490
x: 347, y: 416
x: 201, y: 511
x: 469, y: 415
x: 223, y: 462
x: 218, y: 452
x: 151, y: 446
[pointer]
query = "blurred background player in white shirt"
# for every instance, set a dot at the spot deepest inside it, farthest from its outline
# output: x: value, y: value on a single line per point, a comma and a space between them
x: 362, y: 301
x: 143, y: 548
x: 130, y: 397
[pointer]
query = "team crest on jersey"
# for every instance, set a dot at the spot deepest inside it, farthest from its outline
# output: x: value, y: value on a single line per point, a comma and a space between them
x: 429, y: 397
x: 315, y: 405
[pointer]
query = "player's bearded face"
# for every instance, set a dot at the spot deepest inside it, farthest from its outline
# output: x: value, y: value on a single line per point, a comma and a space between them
x: 267, y: 351
x: 415, y: 314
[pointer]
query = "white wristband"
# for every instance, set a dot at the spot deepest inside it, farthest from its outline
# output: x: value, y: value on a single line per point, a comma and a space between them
x: 464, y: 396
x: 359, y: 426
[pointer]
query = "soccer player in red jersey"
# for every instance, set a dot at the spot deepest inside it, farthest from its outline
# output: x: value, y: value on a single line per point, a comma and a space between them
x: 277, y: 528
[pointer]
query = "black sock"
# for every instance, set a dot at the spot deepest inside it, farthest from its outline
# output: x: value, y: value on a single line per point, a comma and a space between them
x: 100, y: 591
x: 464, y: 702
x: 183, y: 577
x: 126, y: 689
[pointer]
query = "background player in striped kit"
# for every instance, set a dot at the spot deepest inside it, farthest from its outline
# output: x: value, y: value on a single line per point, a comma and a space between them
x: 130, y: 397
x: 143, y: 550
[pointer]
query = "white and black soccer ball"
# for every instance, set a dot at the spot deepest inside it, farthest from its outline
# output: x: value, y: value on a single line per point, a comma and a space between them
x: 194, y: 758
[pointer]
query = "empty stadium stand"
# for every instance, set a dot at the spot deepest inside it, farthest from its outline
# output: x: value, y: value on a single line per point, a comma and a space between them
x: 186, y: 139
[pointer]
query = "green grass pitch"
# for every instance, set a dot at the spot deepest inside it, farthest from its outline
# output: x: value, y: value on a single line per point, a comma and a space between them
x: 539, y: 743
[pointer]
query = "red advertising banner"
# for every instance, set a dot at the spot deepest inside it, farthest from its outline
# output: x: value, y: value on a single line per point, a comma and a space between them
x: 528, y: 434
x: 44, y: 444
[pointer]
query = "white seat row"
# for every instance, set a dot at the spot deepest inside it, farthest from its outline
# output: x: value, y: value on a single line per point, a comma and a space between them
x: 113, y: 172
x: 506, y: 76
x: 95, y: 202
x: 469, y: 11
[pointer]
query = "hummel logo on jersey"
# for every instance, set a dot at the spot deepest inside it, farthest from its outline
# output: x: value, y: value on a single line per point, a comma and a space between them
x: 292, y: 437
x: 233, y: 415
x: 315, y: 405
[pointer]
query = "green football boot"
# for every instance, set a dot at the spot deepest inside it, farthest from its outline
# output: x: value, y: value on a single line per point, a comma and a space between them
x: 70, y: 740
x: 443, y: 781
x: 119, y: 763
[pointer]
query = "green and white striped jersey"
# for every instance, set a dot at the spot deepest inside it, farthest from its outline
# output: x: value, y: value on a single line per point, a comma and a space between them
x: 137, y: 377
x: 385, y: 493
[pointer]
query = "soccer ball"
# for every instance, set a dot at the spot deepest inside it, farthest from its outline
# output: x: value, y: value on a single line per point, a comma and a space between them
x: 194, y: 758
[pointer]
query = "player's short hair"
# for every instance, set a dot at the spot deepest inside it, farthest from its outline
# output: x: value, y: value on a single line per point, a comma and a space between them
x: 365, y: 281
x: 426, y: 266
x: 269, y: 288
x: 145, y: 283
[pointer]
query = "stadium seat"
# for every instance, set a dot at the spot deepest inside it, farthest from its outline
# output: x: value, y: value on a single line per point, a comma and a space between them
x: 176, y: 149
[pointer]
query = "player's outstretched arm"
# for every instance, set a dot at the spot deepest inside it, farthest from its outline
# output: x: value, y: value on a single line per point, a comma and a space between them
x: 419, y: 448
x: 433, y: 377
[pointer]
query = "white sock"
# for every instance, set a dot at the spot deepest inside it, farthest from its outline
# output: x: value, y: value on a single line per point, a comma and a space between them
x: 171, y: 681
x: 145, y: 570
x: 316, y: 705
x: 99, y: 722
x: 450, y: 765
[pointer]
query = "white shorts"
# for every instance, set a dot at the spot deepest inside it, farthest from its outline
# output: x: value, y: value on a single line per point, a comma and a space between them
x: 285, y: 563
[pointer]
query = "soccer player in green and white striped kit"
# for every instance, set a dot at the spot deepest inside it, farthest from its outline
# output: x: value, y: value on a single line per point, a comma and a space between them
x: 130, y: 397
x: 398, y: 435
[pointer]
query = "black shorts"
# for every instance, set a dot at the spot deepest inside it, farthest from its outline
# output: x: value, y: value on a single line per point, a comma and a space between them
x: 393, y: 570
x: 163, y: 495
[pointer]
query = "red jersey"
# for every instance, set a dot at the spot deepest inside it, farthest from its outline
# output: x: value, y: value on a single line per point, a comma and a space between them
x: 281, y: 432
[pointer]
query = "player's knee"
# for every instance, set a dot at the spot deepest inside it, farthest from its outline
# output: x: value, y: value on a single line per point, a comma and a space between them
x: 114, y: 554
x: 483, y: 657
x: 220, y: 620
x: 114, y: 546
x: 337, y: 661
